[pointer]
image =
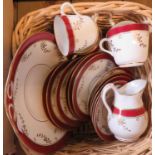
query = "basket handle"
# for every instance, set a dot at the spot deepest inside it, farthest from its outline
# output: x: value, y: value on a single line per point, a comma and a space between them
x: 67, y: 4
x: 102, y: 48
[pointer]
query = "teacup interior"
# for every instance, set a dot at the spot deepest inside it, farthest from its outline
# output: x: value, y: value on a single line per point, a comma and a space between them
x: 124, y: 23
x: 61, y: 35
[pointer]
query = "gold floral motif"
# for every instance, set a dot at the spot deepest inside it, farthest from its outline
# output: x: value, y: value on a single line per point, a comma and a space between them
x: 140, y: 41
x: 122, y: 123
x: 115, y: 49
x: 25, y: 57
x: 137, y: 119
x: 24, y: 128
x: 43, y: 47
x: 94, y: 67
x: 44, y: 138
x: 77, y: 24
x: 109, y: 65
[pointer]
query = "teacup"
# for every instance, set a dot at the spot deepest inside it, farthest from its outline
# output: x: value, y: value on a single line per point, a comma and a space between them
x: 128, y: 43
x: 74, y: 33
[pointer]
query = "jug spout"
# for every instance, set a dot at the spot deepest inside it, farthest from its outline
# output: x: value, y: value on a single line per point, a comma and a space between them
x: 135, y: 87
x: 131, y: 94
x: 140, y: 85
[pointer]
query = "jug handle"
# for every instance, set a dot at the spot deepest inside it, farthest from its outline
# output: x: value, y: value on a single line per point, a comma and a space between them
x: 108, y: 87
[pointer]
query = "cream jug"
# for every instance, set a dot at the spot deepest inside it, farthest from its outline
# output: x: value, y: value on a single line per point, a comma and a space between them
x: 128, y: 119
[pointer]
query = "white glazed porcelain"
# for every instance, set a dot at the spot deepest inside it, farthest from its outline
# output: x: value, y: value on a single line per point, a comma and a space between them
x: 128, y: 44
x: 128, y: 120
x: 74, y: 33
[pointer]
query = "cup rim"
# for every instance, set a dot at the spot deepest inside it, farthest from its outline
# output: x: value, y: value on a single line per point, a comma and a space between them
x: 70, y: 34
x: 126, y: 28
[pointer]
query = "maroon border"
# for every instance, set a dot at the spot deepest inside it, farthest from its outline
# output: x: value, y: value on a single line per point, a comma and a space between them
x: 11, y: 76
x: 70, y: 34
x: 45, y: 102
x: 129, y: 112
x: 73, y: 123
x: 48, y: 98
x: 126, y: 28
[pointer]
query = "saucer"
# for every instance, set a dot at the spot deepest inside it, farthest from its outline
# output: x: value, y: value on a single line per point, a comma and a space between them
x: 23, y: 94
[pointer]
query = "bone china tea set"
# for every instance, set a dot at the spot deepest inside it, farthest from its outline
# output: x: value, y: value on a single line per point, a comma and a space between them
x: 59, y: 81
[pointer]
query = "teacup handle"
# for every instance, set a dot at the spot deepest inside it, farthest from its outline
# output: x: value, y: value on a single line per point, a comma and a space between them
x: 102, y: 48
x: 67, y: 4
x: 108, y: 87
x: 95, y: 17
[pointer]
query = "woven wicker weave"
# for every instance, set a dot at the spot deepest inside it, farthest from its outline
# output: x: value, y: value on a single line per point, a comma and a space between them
x: 109, y: 14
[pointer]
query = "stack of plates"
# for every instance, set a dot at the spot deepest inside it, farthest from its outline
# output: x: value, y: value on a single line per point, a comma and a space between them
x: 47, y: 96
x: 67, y: 89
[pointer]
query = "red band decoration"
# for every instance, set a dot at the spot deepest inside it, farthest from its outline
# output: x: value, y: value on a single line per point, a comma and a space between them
x: 70, y: 34
x: 130, y: 112
x: 120, y: 29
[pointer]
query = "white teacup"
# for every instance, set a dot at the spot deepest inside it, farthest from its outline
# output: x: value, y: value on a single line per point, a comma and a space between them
x: 74, y: 33
x: 128, y: 44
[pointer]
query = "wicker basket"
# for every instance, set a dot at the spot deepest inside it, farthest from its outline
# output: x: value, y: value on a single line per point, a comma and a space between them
x: 85, y: 141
